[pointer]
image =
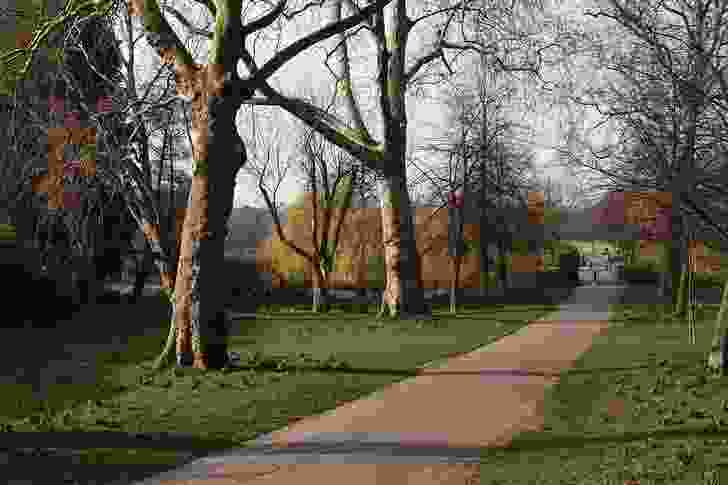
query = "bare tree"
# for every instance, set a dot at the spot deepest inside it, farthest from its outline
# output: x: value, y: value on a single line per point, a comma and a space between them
x: 330, y: 178
x: 394, y: 77
x: 496, y: 175
x: 669, y: 99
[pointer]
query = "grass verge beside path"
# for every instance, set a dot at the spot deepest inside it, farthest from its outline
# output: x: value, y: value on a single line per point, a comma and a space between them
x: 638, y: 406
x: 107, y: 412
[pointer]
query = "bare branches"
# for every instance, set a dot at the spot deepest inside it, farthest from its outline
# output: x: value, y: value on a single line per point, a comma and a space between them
x: 266, y: 20
x: 181, y: 19
x: 669, y: 101
x: 210, y: 4
x: 304, y: 43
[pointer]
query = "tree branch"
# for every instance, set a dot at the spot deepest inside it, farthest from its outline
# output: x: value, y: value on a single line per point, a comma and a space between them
x: 301, y: 45
x: 186, y: 23
x: 265, y: 20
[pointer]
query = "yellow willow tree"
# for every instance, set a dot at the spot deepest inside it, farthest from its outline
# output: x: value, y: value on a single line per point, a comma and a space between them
x: 216, y: 92
x: 317, y: 216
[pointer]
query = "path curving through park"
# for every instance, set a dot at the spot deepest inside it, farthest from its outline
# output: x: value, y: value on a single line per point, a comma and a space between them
x: 427, y: 429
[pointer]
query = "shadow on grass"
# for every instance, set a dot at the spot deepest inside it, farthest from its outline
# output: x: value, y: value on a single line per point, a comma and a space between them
x: 544, y: 440
x: 344, y: 368
x: 80, y: 440
x: 26, y: 442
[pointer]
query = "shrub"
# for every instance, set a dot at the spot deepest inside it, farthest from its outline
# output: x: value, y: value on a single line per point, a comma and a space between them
x: 296, y: 279
x: 50, y: 306
x: 711, y: 280
x: 242, y: 285
x: 641, y: 272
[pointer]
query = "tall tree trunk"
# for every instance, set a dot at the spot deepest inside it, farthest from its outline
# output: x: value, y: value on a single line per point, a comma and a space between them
x: 457, y: 261
x: 402, y: 294
x: 681, y: 305
x: 201, y: 336
x: 483, y: 211
x: 682, y: 291
x: 502, y: 266
x: 455, y: 283
x: 142, y: 272
x: 678, y: 250
x: 484, y: 265
x: 716, y: 356
x: 320, y: 292
x: 218, y: 154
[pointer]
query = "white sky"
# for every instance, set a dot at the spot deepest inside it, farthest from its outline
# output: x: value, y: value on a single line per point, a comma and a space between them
x: 308, y: 70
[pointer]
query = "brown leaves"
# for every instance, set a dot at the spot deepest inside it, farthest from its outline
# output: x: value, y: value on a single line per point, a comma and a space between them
x: 616, y: 408
x: 23, y: 39
x: 136, y: 8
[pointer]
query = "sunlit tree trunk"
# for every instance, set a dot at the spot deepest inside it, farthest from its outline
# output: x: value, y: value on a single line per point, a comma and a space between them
x: 716, y: 358
x: 402, y: 294
x: 197, y: 305
x: 320, y: 291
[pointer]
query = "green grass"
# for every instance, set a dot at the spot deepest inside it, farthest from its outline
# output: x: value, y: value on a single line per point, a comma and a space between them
x: 673, y: 426
x: 398, y: 344
x: 585, y: 247
x: 7, y: 233
x: 114, y: 392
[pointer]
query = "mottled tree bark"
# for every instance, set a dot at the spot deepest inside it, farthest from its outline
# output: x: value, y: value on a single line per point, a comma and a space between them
x: 716, y: 357
x: 402, y: 294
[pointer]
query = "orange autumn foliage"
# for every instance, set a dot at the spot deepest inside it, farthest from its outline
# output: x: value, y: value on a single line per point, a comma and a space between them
x: 361, y: 243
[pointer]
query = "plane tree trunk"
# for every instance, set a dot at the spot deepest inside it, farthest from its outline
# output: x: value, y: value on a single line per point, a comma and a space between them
x: 198, y: 323
x: 402, y: 295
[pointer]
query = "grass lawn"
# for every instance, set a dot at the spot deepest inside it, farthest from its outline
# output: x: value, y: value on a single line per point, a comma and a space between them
x: 585, y: 247
x: 101, y: 404
x: 7, y: 234
x: 649, y: 415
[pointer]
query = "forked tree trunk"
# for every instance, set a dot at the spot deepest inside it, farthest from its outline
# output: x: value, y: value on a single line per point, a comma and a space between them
x: 201, y: 337
x: 198, y: 326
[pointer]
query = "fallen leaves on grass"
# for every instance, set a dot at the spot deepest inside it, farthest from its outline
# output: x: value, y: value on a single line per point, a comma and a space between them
x: 257, y: 361
x: 616, y: 407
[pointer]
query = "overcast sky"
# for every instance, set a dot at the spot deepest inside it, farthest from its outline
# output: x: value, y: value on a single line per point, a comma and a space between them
x: 308, y: 70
